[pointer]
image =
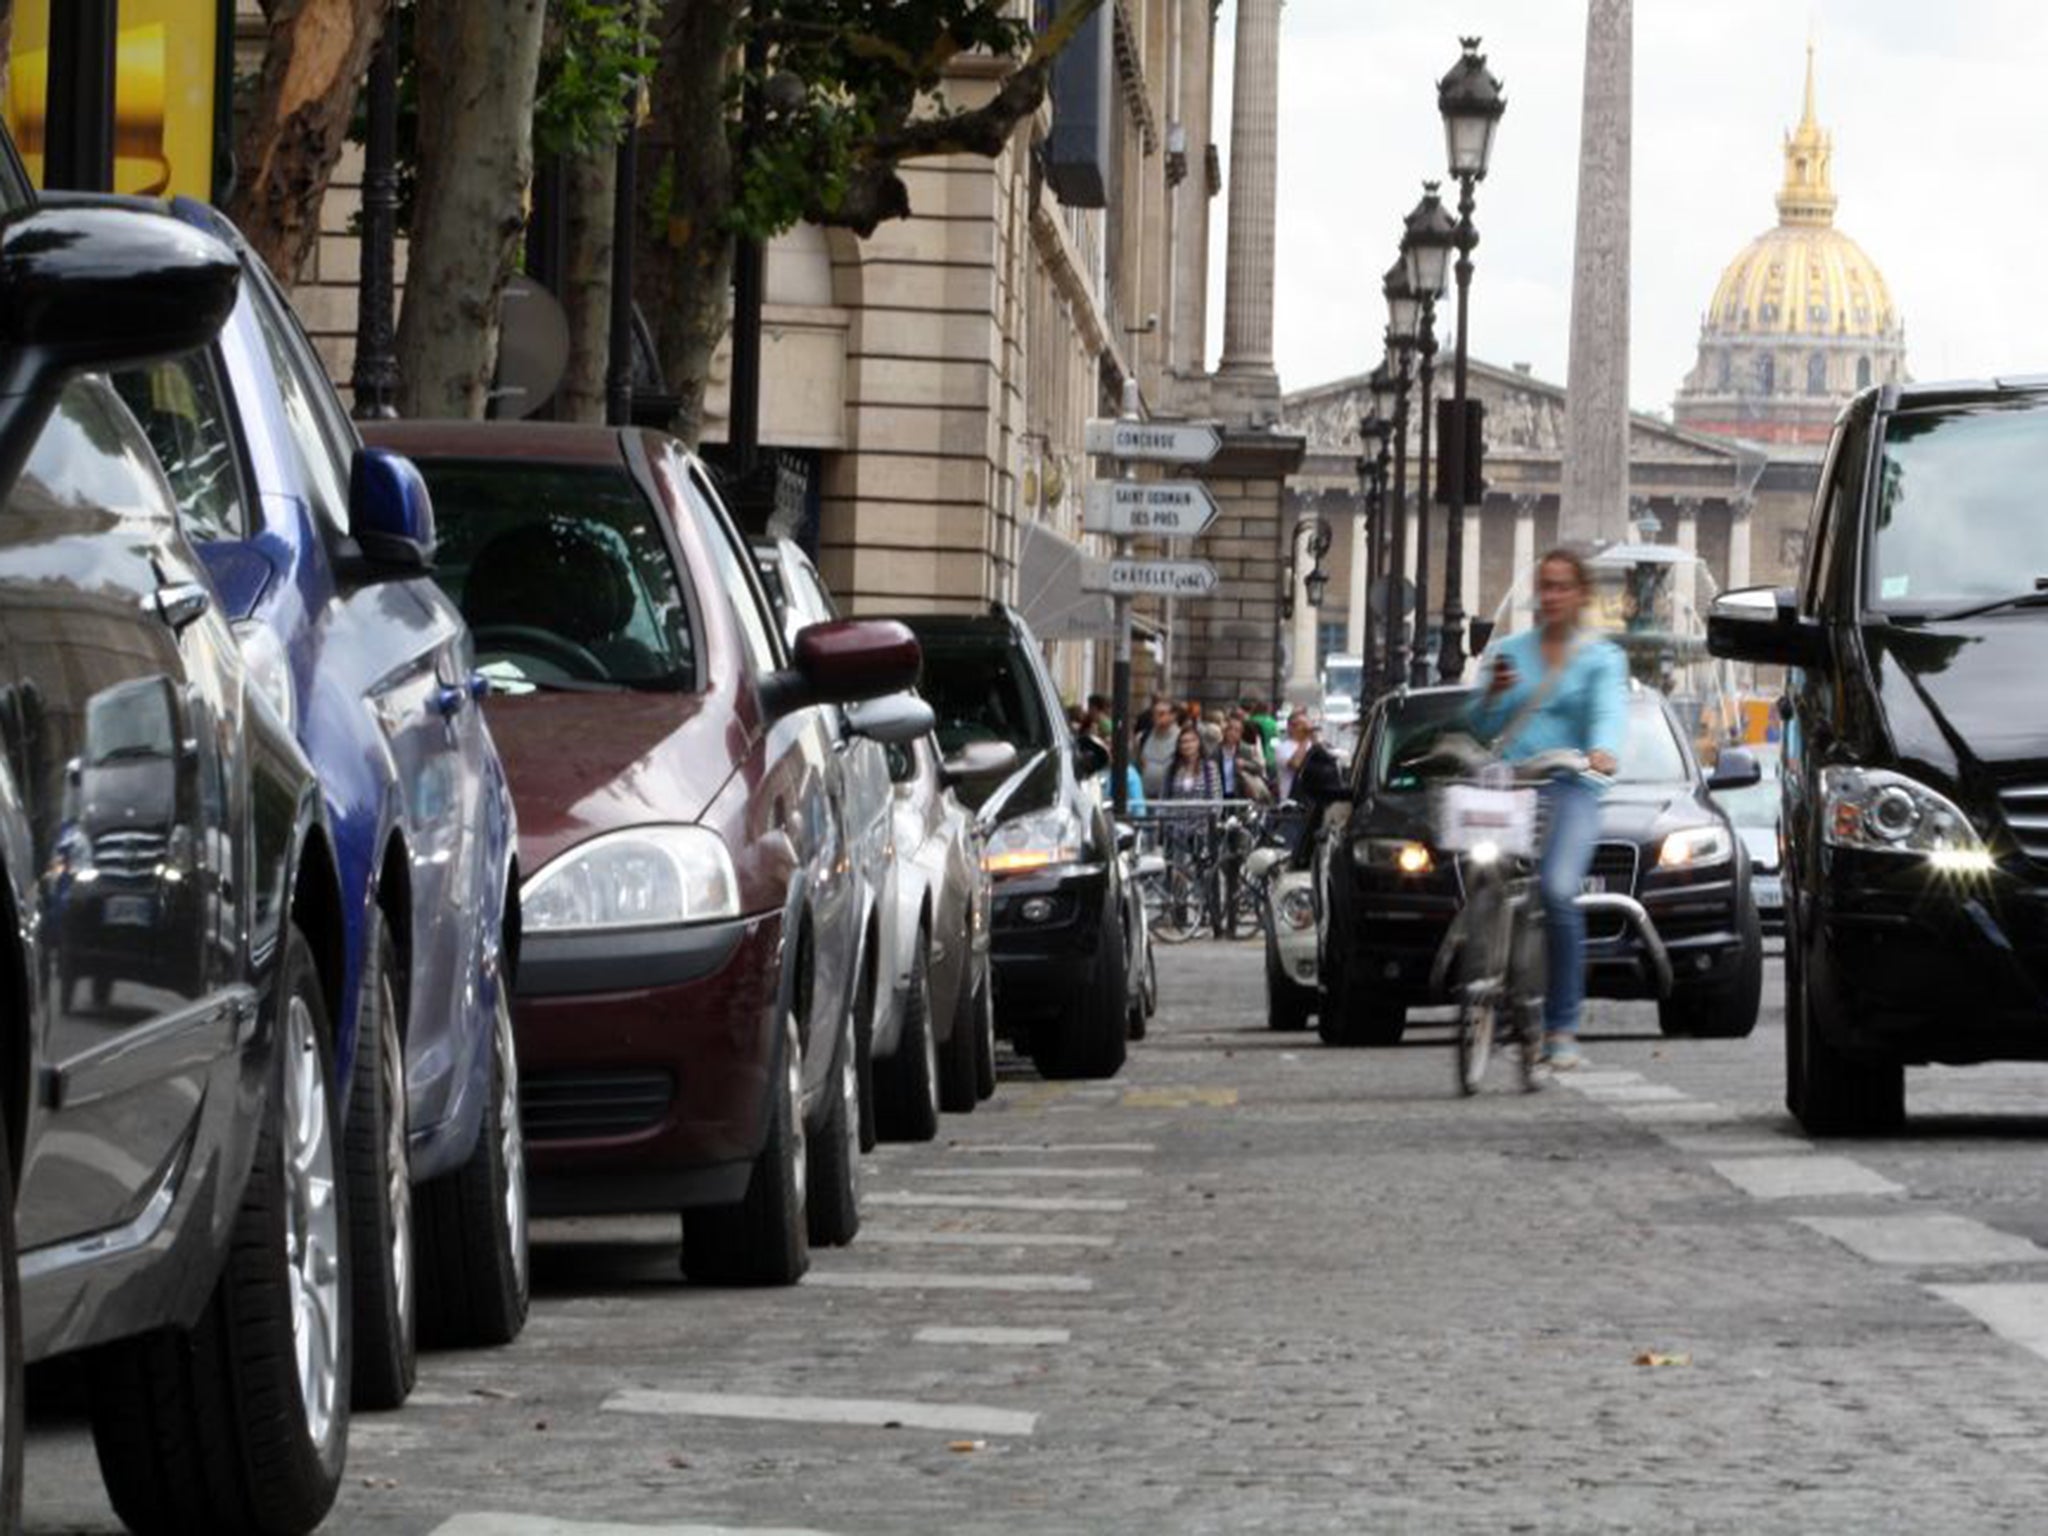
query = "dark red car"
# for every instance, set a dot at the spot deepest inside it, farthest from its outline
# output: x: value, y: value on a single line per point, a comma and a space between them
x: 686, y: 986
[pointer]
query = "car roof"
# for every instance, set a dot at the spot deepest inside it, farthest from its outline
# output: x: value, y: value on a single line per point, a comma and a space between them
x: 551, y: 442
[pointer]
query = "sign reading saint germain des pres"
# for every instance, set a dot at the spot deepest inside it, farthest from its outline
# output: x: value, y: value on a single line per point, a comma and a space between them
x: 1168, y: 509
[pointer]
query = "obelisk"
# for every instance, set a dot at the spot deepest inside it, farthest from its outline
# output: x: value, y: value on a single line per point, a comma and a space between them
x: 1595, y: 506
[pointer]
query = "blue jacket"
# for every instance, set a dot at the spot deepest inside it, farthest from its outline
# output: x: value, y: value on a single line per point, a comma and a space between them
x: 1586, y: 712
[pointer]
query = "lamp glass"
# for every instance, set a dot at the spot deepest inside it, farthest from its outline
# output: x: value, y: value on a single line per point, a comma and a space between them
x: 1313, y: 585
x: 1404, y: 316
x: 1429, y: 265
x: 1468, y: 141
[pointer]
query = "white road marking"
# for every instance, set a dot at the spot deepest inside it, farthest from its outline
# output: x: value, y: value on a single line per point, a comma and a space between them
x: 901, y: 1199
x: 1792, y: 1178
x: 1037, y: 1148
x: 1690, y: 1139
x: 1926, y: 1242
x: 1035, y: 1337
x: 1631, y: 1093
x: 1678, y: 1112
x: 2015, y: 1312
x: 869, y: 1412
x: 540, y: 1525
x: 904, y: 1238
x: 1589, y: 1077
x: 915, y: 1280
x: 1012, y: 1171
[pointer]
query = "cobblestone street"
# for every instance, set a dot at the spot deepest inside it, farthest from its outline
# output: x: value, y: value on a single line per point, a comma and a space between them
x: 1258, y: 1284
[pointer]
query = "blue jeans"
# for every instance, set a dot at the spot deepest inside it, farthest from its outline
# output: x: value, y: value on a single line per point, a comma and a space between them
x: 1573, y: 808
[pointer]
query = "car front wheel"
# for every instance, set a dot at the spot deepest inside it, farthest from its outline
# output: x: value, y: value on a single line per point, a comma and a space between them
x: 764, y: 1238
x: 1829, y: 1092
x: 380, y: 1204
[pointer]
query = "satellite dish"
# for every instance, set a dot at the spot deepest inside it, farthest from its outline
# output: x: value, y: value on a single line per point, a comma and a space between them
x: 533, y: 349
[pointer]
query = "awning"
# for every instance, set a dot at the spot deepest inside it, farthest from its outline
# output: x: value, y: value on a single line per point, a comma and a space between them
x: 1049, y: 595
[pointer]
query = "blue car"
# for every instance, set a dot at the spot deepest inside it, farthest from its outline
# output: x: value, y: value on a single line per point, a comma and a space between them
x: 344, y: 630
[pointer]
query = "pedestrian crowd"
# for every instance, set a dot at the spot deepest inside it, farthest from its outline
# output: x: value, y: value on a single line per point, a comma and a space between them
x: 1183, y: 751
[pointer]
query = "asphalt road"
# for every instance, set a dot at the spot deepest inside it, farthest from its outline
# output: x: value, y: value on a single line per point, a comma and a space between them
x: 1258, y: 1284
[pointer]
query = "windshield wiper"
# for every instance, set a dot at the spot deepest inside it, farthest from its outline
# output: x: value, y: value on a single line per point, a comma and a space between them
x: 2038, y: 598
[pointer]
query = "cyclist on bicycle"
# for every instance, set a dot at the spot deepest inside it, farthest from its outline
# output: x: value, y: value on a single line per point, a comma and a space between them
x: 1560, y: 687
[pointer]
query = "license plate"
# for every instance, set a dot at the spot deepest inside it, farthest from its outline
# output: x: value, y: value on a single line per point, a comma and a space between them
x: 1770, y: 891
x: 130, y: 911
x: 1594, y: 885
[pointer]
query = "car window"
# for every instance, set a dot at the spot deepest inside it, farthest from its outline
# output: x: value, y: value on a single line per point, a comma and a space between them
x: 91, y: 454
x: 736, y: 573
x: 1407, y: 732
x: 1957, y: 518
x: 564, y: 574
x: 1758, y: 805
x: 980, y: 692
x: 1652, y: 754
x: 818, y: 599
x: 323, y: 461
x: 178, y: 403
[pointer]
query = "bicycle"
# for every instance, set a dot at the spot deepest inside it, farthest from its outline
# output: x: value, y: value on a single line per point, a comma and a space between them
x: 1205, y: 847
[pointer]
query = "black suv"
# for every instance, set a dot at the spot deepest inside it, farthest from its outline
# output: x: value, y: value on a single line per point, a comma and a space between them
x: 1057, y: 940
x: 170, y: 1146
x: 1916, y: 748
x: 1385, y: 895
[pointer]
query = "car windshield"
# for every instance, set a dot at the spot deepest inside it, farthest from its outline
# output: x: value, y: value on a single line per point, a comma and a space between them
x: 979, y: 693
x: 1957, y: 522
x: 1652, y: 754
x: 563, y: 574
x: 1756, y: 806
x: 1408, y: 731
x: 1343, y: 678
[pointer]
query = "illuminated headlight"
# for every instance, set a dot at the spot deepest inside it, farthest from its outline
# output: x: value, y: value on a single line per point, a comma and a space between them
x: 1297, y: 908
x: 1883, y: 812
x: 649, y: 877
x: 269, y: 670
x: 1408, y: 858
x: 1484, y: 854
x: 1033, y: 844
x: 1695, y: 846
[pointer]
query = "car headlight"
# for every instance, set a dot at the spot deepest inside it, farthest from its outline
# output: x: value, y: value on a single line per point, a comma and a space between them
x: 1883, y: 812
x: 648, y: 877
x: 1694, y: 847
x: 1034, y: 843
x: 1298, y: 908
x: 269, y: 670
x: 1398, y: 854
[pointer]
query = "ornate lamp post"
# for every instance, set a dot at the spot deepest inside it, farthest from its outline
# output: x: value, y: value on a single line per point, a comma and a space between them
x: 1372, y: 437
x: 1471, y: 104
x: 1404, y: 325
x: 1427, y: 236
x: 1317, y: 581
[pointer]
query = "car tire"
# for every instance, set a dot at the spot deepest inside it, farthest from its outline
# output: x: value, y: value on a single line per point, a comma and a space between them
x: 1289, y: 1005
x: 832, y: 1212
x: 911, y: 1085
x: 1345, y: 1019
x: 764, y: 1237
x: 960, y: 1056
x: 1831, y: 1093
x: 984, y: 1039
x: 385, y: 1313
x: 12, y: 1384
x: 475, y: 1267
x: 1727, y: 1011
x: 1091, y: 1041
x: 864, y: 1057
x: 1134, y: 980
x: 217, y: 1429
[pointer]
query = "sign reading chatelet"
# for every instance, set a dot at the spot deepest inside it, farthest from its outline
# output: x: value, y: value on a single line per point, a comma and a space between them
x: 1155, y: 442
x: 1171, y: 509
x: 1153, y: 578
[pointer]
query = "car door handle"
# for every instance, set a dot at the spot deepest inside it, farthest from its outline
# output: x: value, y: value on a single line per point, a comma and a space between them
x: 179, y: 603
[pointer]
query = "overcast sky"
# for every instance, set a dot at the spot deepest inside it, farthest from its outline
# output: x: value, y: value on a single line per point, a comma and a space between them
x: 1938, y: 116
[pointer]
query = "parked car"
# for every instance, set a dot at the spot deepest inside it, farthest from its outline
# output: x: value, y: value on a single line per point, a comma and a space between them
x: 320, y: 551
x: 1385, y: 896
x: 1058, y: 941
x: 1916, y: 754
x: 896, y: 1101
x: 685, y: 1002
x: 1755, y: 811
x: 170, y: 1162
x: 1288, y: 916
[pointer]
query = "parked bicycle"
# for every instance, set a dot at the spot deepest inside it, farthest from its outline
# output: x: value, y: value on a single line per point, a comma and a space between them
x: 1202, y: 884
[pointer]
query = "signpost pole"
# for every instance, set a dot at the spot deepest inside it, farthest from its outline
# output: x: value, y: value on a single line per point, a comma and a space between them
x: 1120, y: 675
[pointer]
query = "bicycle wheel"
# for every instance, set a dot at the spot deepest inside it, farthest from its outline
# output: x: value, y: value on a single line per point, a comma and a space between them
x: 1173, y: 905
x: 1478, y: 1020
x: 1525, y: 991
x: 1482, y: 982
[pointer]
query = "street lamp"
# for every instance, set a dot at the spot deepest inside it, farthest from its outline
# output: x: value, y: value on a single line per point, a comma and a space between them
x: 1470, y: 102
x: 1317, y: 581
x: 1404, y: 323
x: 1428, y: 236
x: 1384, y: 386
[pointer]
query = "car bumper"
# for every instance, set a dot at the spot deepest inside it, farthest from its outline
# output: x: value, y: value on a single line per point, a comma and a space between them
x: 645, y: 1063
x: 1045, y: 934
x: 1392, y: 944
x: 1698, y: 921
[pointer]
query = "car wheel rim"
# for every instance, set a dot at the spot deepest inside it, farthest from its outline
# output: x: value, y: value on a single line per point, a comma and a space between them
x: 929, y: 1045
x: 312, y: 1225
x: 397, y: 1161
x: 793, y: 1088
x: 511, y: 1142
x: 849, y: 1115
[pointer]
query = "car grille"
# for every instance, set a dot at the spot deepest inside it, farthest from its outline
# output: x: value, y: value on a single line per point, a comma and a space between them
x: 584, y: 1106
x: 129, y: 853
x: 1614, y: 864
x: 2026, y: 814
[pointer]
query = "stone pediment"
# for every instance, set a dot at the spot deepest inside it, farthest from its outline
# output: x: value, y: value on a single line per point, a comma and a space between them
x: 1524, y: 420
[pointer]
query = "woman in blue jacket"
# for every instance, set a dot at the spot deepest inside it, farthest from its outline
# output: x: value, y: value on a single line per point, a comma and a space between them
x: 1560, y: 686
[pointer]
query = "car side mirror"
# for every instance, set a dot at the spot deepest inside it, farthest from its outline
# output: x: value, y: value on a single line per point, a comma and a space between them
x: 390, y: 514
x: 980, y: 761
x: 1735, y: 768
x: 1763, y: 624
x: 843, y: 662
x: 1090, y: 756
x: 898, y: 718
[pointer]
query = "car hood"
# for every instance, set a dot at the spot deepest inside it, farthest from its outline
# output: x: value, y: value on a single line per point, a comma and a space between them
x: 1957, y: 692
x: 585, y: 763
x: 1642, y: 813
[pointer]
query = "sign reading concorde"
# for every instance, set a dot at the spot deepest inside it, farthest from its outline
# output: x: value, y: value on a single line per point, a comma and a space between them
x: 1155, y: 442
x: 1154, y: 578
x: 1171, y: 509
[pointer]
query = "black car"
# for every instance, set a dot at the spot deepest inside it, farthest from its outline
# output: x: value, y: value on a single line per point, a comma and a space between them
x: 1385, y: 895
x: 170, y: 1149
x: 1916, y: 749
x: 1057, y: 939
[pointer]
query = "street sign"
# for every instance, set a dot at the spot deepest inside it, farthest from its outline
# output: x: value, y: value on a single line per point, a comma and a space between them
x: 1155, y: 442
x: 1170, y: 509
x: 1153, y: 578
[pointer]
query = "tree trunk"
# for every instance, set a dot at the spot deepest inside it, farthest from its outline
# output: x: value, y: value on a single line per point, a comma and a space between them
x: 477, y: 64
x: 683, y: 267
x: 589, y: 183
x: 313, y: 65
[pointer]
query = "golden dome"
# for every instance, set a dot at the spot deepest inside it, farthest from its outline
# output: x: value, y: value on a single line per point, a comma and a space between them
x: 1804, y: 278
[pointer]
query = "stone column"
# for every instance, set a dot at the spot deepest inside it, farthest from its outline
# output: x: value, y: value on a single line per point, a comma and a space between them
x: 1595, y: 507
x: 1358, y: 575
x: 1476, y: 606
x: 1524, y: 557
x: 1738, y: 544
x: 1254, y: 177
x: 1191, y: 233
x: 1301, y: 676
